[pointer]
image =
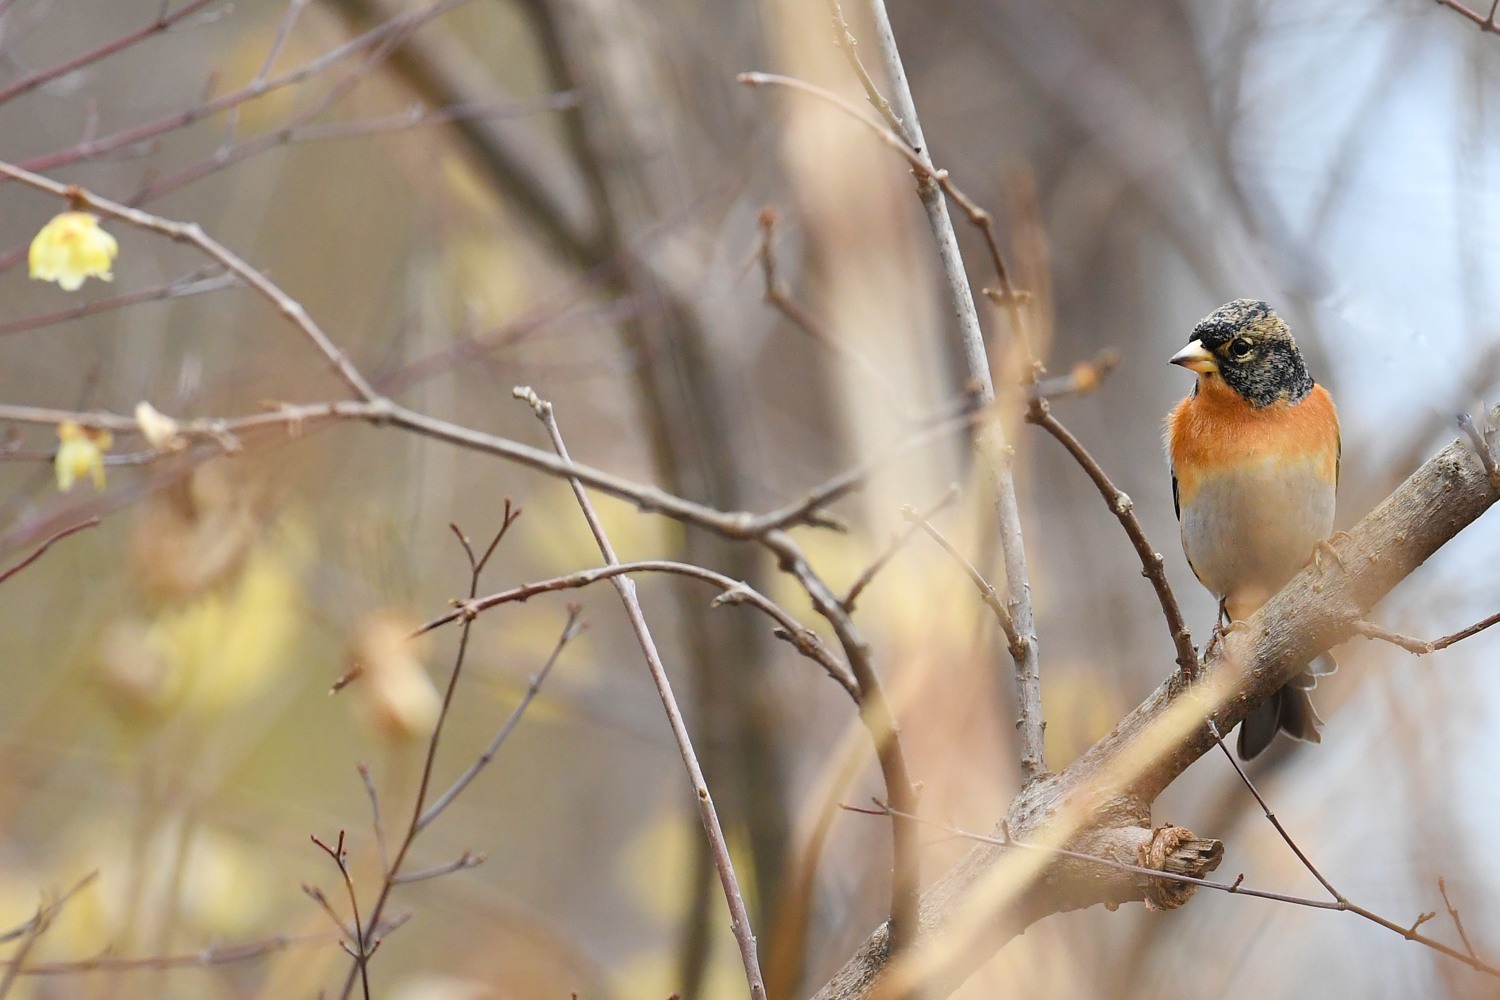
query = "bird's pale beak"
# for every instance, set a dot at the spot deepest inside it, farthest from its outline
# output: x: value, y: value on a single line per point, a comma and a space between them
x: 1196, y: 357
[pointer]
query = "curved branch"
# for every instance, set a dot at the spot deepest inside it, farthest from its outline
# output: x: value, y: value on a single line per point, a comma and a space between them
x: 997, y: 891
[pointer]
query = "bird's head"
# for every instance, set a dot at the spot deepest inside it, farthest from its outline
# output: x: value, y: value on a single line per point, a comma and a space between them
x: 1250, y: 349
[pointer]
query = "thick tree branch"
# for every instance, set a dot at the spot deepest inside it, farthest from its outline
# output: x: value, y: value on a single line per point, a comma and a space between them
x: 997, y: 891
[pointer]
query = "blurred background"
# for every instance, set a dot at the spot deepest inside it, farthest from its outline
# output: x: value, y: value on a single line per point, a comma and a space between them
x: 568, y: 194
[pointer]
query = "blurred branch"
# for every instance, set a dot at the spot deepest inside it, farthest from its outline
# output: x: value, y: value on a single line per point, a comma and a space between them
x: 535, y: 174
x: 92, y: 522
x: 397, y: 25
x: 205, y: 279
x: 31, y: 931
x: 164, y: 22
x: 1082, y: 379
x: 994, y: 894
x: 1486, y: 22
x: 296, y: 418
x: 203, y: 958
x: 896, y: 545
x: 779, y: 297
x: 571, y: 630
x: 987, y: 590
x: 876, y: 714
x: 995, y: 453
x: 744, y: 934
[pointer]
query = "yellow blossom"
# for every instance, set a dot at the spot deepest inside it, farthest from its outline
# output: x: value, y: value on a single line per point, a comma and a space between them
x: 71, y: 248
x: 81, y: 453
x: 160, y: 431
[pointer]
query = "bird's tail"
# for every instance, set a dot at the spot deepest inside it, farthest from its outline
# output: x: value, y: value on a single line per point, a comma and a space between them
x: 1289, y: 710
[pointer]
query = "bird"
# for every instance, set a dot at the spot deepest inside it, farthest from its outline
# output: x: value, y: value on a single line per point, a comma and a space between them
x: 1254, y: 451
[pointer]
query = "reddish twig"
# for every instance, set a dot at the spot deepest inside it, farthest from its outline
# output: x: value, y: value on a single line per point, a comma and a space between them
x: 1153, y: 567
x: 92, y: 522
x: 805, y: 640
x: 1486, y: 22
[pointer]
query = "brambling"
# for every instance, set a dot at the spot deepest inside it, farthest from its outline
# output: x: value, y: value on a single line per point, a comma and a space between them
x: 1254, y: 450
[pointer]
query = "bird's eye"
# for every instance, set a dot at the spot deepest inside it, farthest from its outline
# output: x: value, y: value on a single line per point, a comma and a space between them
x: 1239, y: 348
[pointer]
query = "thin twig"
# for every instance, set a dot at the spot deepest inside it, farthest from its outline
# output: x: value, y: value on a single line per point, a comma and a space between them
x: 1082, y: 379
x: 33, y: 929
x: 162, y: 23
x: 1422, y: 647
x: 462, y: 862
x: 1482, y: 436
x: 1486, y: 23
x: 364, y: 946
x: 206, y: 279
x: 1458, y: 921
x: 203, y: 958
x: 414, y: 824
x: 896, y: 545
x: 1153, y: 567
x: 780, y: 298
x: 570, y: 631
x: 844, y: 38
x: 92, y: 522
x: 374, y: 797
x: 744, y: 934
x: 1271, y: 818
x: 805, y: 640
x: 987, y: 592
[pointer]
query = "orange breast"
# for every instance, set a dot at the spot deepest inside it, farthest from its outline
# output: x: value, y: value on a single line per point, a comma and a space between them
x: 1215, y: 429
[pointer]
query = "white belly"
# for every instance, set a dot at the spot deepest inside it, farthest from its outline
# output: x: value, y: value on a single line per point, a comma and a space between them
x: 1246, y: 533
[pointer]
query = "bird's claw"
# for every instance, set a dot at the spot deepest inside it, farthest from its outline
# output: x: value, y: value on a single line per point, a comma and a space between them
x: 1325, y: 547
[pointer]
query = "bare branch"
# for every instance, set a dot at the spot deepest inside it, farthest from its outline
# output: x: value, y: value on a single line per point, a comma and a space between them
x: 744, y: 934
x: 92, y: 522
x: 1153, y: 567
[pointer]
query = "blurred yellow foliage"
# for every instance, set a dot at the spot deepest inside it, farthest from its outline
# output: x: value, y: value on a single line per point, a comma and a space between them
x: 394, y: 694
x: 223, y: 649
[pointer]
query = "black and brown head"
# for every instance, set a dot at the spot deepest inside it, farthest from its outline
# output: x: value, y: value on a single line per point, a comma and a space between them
x: 1247, y: 345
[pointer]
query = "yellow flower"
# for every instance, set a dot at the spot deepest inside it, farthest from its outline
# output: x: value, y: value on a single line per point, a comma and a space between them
x: 81, y: 453
x: 160, y: 431
x: 71, y: 248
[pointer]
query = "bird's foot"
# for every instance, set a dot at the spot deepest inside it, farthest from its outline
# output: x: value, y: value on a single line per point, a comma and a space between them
x: 1221, y: 630
x: 1325, y: 547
